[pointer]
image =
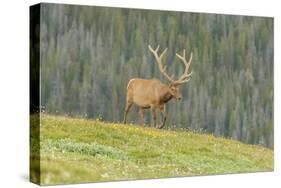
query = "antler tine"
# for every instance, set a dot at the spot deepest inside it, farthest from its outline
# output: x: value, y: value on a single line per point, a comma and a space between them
x: 154, y: 51
x: 157, y: 48
x: 190, y: 58
x: 159, y: 61
x: 183, y: 81
x: 150, y: 48
x: 163, y: 52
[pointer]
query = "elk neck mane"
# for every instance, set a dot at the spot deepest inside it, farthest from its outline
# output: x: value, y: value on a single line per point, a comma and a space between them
x: 166, y: 95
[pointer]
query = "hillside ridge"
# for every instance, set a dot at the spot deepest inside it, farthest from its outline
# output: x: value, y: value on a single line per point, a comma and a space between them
x: 78, y: 150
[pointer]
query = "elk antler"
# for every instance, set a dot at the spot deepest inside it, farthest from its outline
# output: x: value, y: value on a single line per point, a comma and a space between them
x: 159, y: 62
x: 185, y: 76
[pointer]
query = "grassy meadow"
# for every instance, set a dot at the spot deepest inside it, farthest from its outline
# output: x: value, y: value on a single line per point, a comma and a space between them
x: 76, y: 150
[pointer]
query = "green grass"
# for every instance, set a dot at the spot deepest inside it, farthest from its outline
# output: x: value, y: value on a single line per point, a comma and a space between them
x: 78, y: 150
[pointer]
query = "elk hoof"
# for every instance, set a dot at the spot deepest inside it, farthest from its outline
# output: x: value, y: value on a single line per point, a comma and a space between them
x: 160, y: 126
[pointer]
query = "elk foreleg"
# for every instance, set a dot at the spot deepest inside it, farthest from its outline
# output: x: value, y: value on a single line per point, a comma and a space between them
x: 141, y: 116
x: 164, y: 114
x: 153, y: 113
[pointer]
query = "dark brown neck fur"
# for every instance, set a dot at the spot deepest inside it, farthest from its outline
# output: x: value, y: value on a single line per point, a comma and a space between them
x: 166, y: 97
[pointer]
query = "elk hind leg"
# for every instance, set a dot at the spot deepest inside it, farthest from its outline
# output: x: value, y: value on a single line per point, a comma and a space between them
x: 128, y: 106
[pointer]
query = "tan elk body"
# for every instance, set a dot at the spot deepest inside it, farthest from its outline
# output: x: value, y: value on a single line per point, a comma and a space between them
x: 152, y: 94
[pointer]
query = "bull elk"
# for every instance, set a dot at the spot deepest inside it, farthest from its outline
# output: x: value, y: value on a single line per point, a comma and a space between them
x: 152, y: 94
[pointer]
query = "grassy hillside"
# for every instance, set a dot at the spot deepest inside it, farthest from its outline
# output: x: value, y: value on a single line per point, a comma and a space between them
x: 78, y: 150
